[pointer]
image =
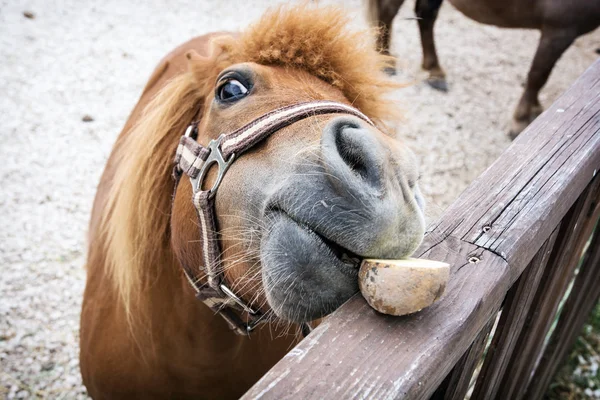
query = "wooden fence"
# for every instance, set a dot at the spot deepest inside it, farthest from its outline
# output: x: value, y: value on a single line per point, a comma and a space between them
x: 514, y: 239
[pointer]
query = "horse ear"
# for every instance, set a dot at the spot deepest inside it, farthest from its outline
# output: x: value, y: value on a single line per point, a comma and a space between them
x: 205, y: 68
x: 199, y: 66
x: 193, y: 57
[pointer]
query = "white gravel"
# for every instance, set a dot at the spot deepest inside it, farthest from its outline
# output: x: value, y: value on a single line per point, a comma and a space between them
x: 78, y: 58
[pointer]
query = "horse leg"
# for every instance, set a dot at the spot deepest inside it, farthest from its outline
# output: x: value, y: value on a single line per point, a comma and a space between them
x: 427, y: 12
x: 553, y: 44
x: 381, y: 14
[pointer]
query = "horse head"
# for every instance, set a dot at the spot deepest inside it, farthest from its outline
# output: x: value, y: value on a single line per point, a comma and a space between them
x: 297, y: 211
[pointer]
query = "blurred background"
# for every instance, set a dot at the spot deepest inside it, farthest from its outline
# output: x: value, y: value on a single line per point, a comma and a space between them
x: 70, y: 73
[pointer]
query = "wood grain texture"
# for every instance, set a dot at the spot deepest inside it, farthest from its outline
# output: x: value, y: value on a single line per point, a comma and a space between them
x: 579, y: 304
x: 456, y: 385
x: 524, y: 194
x: 517, y: 306
x: 499, y: 223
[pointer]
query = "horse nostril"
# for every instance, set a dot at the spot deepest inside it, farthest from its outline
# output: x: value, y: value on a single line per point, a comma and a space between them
x: 350, y: 153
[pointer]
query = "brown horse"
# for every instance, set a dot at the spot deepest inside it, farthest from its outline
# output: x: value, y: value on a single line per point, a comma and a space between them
x: 294, y: 214
x: 560, y: 23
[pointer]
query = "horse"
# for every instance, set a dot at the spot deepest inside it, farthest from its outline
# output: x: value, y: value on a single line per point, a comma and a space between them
x: 254, y: 173
x: 560, y: 23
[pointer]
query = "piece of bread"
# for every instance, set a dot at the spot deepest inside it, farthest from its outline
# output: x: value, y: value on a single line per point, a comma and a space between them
x: 400, y: 287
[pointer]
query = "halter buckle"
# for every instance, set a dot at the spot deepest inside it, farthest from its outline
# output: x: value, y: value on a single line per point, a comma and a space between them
x: 214, y: 156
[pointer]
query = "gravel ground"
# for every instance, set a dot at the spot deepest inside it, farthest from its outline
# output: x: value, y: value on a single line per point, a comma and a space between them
x: 70, y: 75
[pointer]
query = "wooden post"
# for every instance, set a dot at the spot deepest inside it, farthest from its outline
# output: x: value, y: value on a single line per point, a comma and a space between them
x: 456, y: 384
x: 517, y: 305
x: 583, y: 297
x: 575, y: 231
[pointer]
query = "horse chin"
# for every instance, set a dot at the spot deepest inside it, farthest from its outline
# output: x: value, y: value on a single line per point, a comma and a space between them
x: 305, y: 275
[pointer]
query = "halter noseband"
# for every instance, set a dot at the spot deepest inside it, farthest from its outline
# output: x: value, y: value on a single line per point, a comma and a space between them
x: 195, y: 160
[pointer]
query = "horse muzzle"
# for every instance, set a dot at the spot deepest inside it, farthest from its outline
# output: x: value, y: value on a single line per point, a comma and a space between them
x: 352, y: 200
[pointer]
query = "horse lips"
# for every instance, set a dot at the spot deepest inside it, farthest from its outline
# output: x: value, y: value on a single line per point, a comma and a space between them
x: 400, y: 287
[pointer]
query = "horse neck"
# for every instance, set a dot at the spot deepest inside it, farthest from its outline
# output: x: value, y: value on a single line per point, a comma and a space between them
x: 175, y: 319
x: 199, y: 338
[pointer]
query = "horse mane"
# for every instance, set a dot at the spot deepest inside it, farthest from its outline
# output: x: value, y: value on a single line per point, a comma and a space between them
x: 135, y: 222
x: 321, y: 42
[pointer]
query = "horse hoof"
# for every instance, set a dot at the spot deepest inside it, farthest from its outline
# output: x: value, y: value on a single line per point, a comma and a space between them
x: 519, y: 124
x: 513, y: 134
x: 438, y: 83
x: 516, y: 127
x: 391, y: 71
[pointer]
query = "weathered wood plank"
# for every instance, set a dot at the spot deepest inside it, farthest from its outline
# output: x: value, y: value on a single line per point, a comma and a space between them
x: 532, y: 185
x: 581, y: 301
x: 510, y: 210
x: 514, y: 313
x: 555, y: 281
x: 456, y: 384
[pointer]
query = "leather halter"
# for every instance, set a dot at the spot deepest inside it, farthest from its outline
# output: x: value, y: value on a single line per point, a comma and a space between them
x: 195, y: 160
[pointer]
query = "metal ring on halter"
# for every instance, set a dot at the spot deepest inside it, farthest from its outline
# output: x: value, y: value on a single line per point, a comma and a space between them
x: 214, y: 156
x: 237, y: 300
x: 191, y: 128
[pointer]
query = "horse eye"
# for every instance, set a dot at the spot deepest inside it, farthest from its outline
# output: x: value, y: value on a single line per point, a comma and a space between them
x: 231, y: 90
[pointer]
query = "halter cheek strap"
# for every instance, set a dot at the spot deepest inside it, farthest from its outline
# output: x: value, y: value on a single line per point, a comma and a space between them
x: 194, y: 160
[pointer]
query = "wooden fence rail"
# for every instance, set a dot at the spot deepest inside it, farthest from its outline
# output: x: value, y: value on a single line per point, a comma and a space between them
x: 514, y: 239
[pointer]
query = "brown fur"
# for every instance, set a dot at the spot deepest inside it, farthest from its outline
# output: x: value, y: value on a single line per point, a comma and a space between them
x: 142, y: 331
x: 559, y: 21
